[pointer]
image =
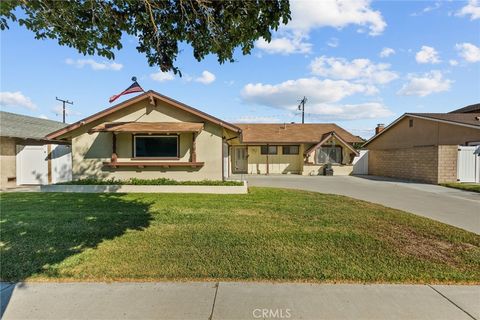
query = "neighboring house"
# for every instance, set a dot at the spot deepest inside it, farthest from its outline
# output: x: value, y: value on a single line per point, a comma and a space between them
x: 154, y: 136
x: 424, y: 146
x: 293, y: 148
x: 25, y: 153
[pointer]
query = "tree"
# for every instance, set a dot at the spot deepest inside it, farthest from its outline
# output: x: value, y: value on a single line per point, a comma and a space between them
x: 96, y: 26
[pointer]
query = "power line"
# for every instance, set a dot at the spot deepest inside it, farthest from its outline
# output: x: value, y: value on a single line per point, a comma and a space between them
x: 301, y: 107
x: 64, y: 101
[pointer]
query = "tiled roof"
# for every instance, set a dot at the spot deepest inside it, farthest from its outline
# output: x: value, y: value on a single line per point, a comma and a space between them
x: 26, y: 127
x: 473, y: 108
x: 291, y: 132
x: 460, y: 118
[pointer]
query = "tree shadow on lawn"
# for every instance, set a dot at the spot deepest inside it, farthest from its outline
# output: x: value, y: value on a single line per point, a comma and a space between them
x: 43, y: 229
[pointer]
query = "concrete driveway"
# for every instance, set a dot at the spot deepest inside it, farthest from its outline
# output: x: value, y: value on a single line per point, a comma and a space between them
x: 455, y: 207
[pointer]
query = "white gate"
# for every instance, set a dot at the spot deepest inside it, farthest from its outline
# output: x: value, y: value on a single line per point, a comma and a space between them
x: 32, y: 165
x: 33, y: 168
x: 468, y: 164
x: 360, y: 163
x: 61, y: 163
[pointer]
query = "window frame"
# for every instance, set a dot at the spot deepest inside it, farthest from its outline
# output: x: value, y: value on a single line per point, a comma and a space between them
x: 329, y: 146
x: 268, y: 149
x: 134, y: 145
x: 289, y: 153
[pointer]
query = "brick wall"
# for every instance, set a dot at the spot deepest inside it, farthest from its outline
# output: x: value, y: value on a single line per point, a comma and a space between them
x: 447, y: 164
x: 432, y: 164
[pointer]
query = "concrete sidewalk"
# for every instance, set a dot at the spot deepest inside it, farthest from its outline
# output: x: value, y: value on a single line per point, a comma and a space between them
x: 455, y: 207
x: 237, y: 300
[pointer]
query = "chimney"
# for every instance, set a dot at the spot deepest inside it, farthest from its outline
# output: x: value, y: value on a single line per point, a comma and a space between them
x: 379, y: 128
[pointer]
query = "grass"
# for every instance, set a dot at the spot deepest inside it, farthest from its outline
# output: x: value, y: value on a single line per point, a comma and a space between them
x: 268, y: 234
x: 474, y: 187
x: 152, y: 182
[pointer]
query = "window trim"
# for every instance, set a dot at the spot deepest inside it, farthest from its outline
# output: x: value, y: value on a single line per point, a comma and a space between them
x: 268, y: 149
x: 291, y: 154
x: 134, y: 146
x: 329, y: 146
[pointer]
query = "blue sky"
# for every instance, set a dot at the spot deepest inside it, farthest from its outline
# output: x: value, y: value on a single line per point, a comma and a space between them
x: 359, y: 63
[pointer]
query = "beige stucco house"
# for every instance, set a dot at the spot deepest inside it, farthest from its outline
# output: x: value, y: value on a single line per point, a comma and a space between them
x: 423, y: 146
x: 153, y: 136
x: 293, y: 149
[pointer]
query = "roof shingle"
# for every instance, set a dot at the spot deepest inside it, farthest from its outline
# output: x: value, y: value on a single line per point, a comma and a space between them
x: 26, y: 127
x: 291, y: 132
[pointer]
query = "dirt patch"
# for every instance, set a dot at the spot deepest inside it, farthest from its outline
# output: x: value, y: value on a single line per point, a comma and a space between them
x: 407, y: 241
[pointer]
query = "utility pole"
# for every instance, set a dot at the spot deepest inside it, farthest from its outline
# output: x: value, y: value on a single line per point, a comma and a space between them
x: 301, y: 107
x: 64, y: 101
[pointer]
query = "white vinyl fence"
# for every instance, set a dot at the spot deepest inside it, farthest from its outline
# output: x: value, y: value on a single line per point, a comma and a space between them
x: 32, y: 164
x: 360, y: 163
x: 468, y: 164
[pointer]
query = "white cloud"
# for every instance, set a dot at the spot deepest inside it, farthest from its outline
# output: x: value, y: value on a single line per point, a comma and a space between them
x: 362, y: 70
x: 472, y: 9
x: 42, y: 116
x: 468, y: 51
x: 427, y: 9
x: 206, y: 77
x: 333, y: 42
x: 80, y: 63
x: 427, y: 55
x: 368, y: 110
x: 307, y: 15
x: 161, y: 76
x: 285, y: 95
x: 15, y: 100
x: 453, y: 62
x: 58, y: 110
x: 256, y: 119
x: 288, y: 44
x: 425, y: 84
x: 386, y: 52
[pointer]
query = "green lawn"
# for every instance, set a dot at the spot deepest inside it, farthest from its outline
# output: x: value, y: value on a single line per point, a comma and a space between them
x: 475, y: 187
x: 268, y: 234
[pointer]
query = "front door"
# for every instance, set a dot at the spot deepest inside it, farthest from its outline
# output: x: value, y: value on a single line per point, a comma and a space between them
x: 240, y: 159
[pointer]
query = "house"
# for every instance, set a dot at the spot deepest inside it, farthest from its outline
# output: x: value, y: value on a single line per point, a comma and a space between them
x: 154, y: 136
x: 424, y: 146
x: 25, y: 154
x: 293, y: 148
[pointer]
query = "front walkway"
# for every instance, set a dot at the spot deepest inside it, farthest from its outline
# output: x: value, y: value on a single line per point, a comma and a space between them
x: 237, y: 300
x: 455, y: 207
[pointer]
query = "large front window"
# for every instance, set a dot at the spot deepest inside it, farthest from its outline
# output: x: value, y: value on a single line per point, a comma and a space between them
x: 329, y: 155
x: 156, y: 147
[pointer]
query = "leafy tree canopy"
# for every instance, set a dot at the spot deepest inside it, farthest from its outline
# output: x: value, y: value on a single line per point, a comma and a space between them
x: 96, y: 26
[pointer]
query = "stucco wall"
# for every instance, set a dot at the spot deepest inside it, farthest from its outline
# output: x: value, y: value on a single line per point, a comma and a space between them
x: 7, y: 162
x: 89, y: 151
x: 277, y: 163
x: 423, y: 133
x: 432, y: 164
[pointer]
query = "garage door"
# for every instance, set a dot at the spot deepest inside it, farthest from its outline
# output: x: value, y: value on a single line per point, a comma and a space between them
x: 32, y: 167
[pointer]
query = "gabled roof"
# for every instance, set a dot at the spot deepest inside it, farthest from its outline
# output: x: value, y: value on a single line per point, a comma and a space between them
x: 291, y: 132
x: 470, y: 120
x: 19, y: 126
x: 473, y: 108
x: 147, y: 95
x: 327, y: 137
